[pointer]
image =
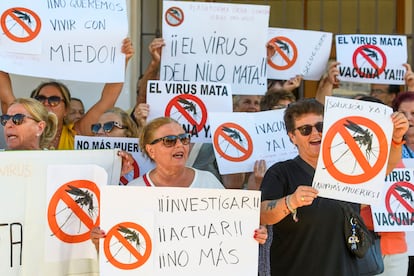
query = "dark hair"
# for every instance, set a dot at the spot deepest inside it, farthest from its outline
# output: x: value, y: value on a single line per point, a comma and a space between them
x: 272, y: 98
x: 370, y: 99
x: 393, y: 89
x: 407, y: 96
x: 299, y: 108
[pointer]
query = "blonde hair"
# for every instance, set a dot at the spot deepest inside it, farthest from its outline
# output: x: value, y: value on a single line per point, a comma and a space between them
x: 39, y: 113
x: 131, y: 129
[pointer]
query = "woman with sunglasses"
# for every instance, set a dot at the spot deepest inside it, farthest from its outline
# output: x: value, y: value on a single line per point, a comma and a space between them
x: 165, y: 142
x: 115, y: 122
x: 308, y: 235
x: 55, y: 96
x: 28, y: 125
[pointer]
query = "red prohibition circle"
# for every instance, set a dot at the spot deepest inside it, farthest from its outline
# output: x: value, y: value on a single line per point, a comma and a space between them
x: 141, y: 258
x: 290, y: 61
x: 392, y: 192
x: 174, y: 16
x: 247, y: 152
x: 369, y: 171
x: 183, y: 111
x: 62, y: 195
x: 360, y: 51
x: 20, y: 15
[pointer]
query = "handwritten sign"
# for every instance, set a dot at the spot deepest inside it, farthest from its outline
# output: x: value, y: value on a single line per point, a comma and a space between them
x: 71, y: 40
x: 298, y: 52
x: 354, y: 150
x: 28, y: 242
x: 189, y: 104
x: 141, y: 164
x: 186, y: 231
x: 215, y: 42
x: 395, y: 212
x: 241, y: 138
x: 371, y: 58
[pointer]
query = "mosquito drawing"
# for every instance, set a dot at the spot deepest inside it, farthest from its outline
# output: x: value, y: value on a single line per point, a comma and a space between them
x: 404, y: 193
x: 190, y: 106
x: 283, y: 45
x: 131, y: 236
x: 371, y: 53
x: 23, y: 16
x: 84, y: 199
x: 234, y: 134
x: 175, y: 12
x: 363, y: 137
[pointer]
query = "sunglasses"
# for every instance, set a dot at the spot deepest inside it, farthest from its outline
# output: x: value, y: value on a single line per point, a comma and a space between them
x: 17, y: 119
x: 107, y: 127
x: 52, y: 100
x: 306, y: 130
x: 170, y: 140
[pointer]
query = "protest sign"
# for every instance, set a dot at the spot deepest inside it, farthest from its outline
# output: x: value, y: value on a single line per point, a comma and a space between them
x: 141, y: 163
x: 354, y: 151
x: 189, y: 104
x: 215, y: 42
x: 178, y: 231
x: 371, y: 58
x: 395, y: 210
x: 241, y: 138
x: 298, y: 52
x: 70, y: 40
x: 35, y: 193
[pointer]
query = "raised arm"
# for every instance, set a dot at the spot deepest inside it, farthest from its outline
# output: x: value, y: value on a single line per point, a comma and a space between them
x: 400, y: 128
x: 328, y: 82
x: 409, y: 77
x: 151, y: 73
x: 110, y: 94
x: 6, y: 91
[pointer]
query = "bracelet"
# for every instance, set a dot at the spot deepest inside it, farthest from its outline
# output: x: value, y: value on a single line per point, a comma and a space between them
x: 397, y: 144
x: 293, y: 211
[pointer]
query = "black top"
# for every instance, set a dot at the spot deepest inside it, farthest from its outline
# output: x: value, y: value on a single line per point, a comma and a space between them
x: 315, y: 245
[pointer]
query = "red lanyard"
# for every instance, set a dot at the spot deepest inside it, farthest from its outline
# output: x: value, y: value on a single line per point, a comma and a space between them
x: 147, y: 183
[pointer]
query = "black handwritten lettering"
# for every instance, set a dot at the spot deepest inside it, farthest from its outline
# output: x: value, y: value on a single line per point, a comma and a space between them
x: 78, y: 53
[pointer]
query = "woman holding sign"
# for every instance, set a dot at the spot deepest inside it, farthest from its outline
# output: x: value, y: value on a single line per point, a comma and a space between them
x: 55, y: 96
x: 165, y: 142
x: 308, y: 231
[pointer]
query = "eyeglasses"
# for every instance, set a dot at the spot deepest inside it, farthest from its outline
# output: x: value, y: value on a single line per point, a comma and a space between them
x: 306, y: 130
x: 52, y: 100
x: 170, y: 140
x: 17, y: 119
x: 107, y: 127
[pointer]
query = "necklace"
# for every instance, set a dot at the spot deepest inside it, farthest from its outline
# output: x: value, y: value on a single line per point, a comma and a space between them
x: 55, y: 143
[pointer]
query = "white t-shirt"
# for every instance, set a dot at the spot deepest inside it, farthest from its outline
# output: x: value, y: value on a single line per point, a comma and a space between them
x: 202, y: 179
